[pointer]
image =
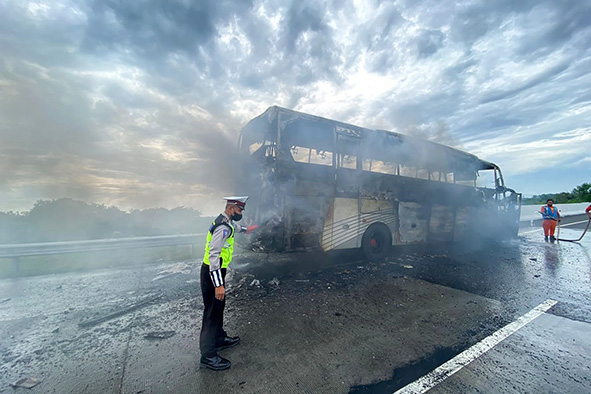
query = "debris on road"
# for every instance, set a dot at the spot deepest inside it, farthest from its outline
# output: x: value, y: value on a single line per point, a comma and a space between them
x: 242, y: 281
x: 274, y: 282
x: 4, y: 300
x: 159, y: 334
x: 533, y: 259
x: 255, y: 282
x: 180, y: 268
x: 27, y: 383
x: 121, y: 312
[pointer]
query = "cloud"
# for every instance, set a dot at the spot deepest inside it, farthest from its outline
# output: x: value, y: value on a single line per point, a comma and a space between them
x: 545, y: 76
x: 140, y: 103
x: 429, y: 42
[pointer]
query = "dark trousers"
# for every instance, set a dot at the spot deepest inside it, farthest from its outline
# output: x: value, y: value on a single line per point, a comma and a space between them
x: 212, y: 327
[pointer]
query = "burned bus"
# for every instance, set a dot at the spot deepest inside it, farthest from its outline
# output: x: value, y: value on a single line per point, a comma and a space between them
x: 320, y: 184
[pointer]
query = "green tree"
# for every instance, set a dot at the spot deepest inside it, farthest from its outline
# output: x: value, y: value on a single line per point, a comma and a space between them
x: 68, y: 220
x: 581, y: 193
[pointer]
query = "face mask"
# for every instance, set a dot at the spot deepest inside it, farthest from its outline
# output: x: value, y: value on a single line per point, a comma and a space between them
x: 236, y: 217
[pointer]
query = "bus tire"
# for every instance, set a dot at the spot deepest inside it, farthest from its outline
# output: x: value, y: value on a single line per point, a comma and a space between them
x: 376, y: 242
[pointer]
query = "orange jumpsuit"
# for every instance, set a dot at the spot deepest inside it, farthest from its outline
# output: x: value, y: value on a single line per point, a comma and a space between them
x: 548, y: 224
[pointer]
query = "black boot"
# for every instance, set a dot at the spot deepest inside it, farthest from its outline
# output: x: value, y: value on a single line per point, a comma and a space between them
x: 226, y: 342
x: 546, y: 238
x: 216, y: 363
x: 552, y: 238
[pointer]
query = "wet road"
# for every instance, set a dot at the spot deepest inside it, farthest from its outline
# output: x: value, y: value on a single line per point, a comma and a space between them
x: 339, y: 326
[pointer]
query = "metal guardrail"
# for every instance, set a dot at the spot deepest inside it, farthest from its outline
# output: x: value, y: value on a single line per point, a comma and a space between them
x: 47, y: 248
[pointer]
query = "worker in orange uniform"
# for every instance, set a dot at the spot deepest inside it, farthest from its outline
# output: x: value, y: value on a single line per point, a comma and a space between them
x: 588, y: 211
x: 551, y: 217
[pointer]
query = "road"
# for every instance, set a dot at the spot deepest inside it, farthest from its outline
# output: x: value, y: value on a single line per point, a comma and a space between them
x: 312, y: 324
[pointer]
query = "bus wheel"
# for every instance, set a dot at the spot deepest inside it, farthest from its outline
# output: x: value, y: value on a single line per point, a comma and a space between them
x: 376, y: 242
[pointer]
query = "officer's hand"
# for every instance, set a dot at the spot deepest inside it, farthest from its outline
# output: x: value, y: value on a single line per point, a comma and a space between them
x: 250, y: 229
x: 220, y: 293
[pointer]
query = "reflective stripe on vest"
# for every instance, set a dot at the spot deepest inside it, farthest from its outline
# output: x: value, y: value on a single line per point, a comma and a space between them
x: 227, y: 248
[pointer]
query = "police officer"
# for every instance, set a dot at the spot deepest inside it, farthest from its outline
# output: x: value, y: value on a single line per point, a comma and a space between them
x: 218, y: 255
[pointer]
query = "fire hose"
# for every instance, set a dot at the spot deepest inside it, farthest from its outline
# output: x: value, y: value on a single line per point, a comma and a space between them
x: 569, y: 240
x: 580, y: 238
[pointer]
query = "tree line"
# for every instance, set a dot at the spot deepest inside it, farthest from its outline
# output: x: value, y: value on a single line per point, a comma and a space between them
x: 581, y: 193
x: 66, y: 219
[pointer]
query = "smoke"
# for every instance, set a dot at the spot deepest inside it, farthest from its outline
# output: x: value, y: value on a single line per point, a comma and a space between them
x: 68, y: 220
x: 437, y: 132
x: 429, y: 187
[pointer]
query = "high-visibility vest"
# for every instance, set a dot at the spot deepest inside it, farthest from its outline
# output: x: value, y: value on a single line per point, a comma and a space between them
x: 227, y: 248
x: 549, y: 212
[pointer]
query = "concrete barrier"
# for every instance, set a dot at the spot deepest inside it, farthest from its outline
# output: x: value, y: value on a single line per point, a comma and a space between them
x: 530, y: 212
x: 47, y: 248
x: 16, y: 251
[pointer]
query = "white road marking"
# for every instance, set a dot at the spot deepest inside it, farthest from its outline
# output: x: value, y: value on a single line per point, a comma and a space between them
x: 452, y: 366
x: 572, y: 224
x: 562, y: 225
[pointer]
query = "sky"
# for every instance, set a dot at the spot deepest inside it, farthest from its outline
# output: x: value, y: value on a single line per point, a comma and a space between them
x: 139, y: 104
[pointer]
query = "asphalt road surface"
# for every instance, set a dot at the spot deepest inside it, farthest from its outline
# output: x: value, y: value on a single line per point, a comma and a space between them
x: 316, y: 324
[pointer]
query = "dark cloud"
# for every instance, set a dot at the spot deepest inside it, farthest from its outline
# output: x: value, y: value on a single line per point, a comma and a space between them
x: 474, y: 20
x: 46, y: 38
x: 377, y: 39
x: 472, y: 24
x: 419, y: 111
x: 562, y: 22
x: 543, y: 77
x: 141, y: 102
x: 307, y: 44
x: 302, y: 18
x: 156, y: 28
x: 45, y: 110
x: 429, y: 42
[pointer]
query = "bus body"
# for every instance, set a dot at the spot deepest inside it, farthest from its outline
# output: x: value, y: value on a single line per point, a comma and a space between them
x: 320, y: 184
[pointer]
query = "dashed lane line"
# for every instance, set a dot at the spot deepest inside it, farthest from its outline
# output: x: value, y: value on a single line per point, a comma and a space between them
x: 452, y: 366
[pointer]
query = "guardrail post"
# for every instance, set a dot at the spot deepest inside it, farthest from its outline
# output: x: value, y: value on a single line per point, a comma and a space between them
x: 16, y: 267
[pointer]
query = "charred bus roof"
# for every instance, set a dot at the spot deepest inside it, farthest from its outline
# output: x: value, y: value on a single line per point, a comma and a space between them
x: 286, y: 128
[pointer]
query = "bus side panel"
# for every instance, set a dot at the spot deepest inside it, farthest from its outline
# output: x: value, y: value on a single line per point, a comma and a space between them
x: 464, y: 217
x: 441, y: 225
x: 413, y: 223
x: 304, y: 222
x: 341, y: 229
x: 383, y: 211
x: 490, y: 223
x: 348, y: 219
